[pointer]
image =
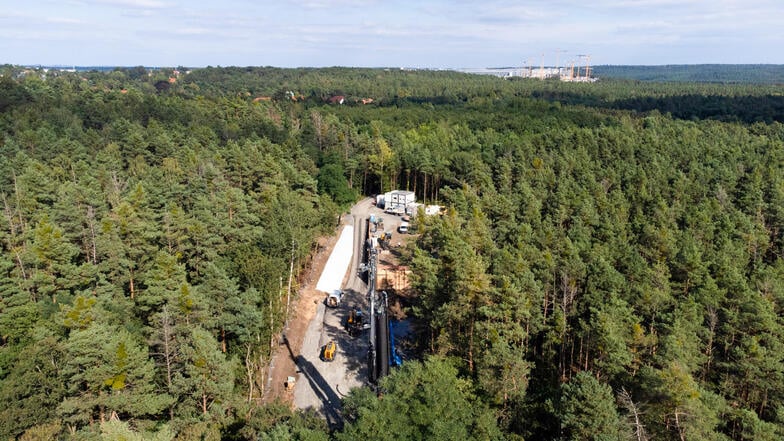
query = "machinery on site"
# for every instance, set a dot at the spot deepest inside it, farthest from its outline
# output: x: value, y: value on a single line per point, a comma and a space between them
x: 384, y: 240
x: 381, y: 353
x: 334, y: 298
x: 379, y: 349
x: 375, y: 223
x: 328, y: 351
x: 355, y: 322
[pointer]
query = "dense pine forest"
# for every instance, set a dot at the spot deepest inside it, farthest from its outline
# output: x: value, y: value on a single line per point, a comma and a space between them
x: 609, y: 266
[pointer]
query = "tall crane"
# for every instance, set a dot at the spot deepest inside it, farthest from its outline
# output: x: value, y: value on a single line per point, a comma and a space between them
x: 587, y: 77
x: 588, y: 66
x: 558, y: 53
x: 580, y: 56
x: 529, y: 64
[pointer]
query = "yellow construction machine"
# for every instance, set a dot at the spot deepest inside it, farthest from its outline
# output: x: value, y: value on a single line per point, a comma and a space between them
x: 328, y: 351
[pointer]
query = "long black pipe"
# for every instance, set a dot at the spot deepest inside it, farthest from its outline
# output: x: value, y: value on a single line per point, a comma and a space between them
x: 372, y: 349
x: 379, y: 351
x: 382, y: 336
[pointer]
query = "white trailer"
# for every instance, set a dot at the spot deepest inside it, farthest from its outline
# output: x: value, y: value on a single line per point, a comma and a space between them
x: 402, y: 198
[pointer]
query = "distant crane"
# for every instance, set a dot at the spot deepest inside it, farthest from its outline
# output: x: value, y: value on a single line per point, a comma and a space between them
x: 529, y: 67
x: 588, y: 66
x: 582, y: 62
x: 587, y: 77
x: 558, y: 53
x: 579, y: 56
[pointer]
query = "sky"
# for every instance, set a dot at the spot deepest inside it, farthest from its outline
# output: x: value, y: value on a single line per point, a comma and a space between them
x: 389, y: 33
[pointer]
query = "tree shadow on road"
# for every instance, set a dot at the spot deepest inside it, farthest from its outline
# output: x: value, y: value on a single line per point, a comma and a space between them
x: 353, y: 348
x: 330, y: 400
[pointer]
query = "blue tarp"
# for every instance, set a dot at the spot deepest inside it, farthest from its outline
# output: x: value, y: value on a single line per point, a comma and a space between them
x: 395, y: 360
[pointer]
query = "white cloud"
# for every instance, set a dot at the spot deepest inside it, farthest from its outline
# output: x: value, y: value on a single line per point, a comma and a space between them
x: 327, y: 4
x: 64, y: 20
x: 135, y: 4
x: 517, y: 15
x: 194, y: 31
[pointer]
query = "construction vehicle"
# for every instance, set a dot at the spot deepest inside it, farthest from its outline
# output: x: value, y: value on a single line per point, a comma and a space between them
x: 374, y: 223
x: 328, y: 351
x: 384, y: 240
x: 355, y: 322
x: 334, y: 298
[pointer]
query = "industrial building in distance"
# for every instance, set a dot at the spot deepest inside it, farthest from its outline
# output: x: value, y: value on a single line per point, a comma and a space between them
x: 574, y: 70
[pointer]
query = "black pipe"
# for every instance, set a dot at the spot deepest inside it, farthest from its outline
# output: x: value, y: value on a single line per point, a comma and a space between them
x: 382, y: 336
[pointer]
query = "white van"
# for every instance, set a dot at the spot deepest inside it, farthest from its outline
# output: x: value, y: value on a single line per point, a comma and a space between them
x: 334, y: 298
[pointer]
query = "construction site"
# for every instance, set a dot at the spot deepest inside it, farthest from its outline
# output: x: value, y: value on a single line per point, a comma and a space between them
x: 575, y: 70
x: 349, y: 327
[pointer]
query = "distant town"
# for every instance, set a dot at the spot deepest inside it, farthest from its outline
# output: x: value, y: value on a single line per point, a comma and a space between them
x: 581, y: 74
x: 571, y: 72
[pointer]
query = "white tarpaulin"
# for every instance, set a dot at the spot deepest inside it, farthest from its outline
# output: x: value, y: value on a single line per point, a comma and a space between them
x: 337, y: 264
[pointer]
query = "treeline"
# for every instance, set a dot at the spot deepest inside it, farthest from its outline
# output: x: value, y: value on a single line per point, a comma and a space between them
x: 750, y: 100
x: 754, y: 100
x: 608, y: 268
x: 697, y: 73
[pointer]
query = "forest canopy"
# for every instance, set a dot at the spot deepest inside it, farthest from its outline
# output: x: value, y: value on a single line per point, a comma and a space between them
x: 609, y: 265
